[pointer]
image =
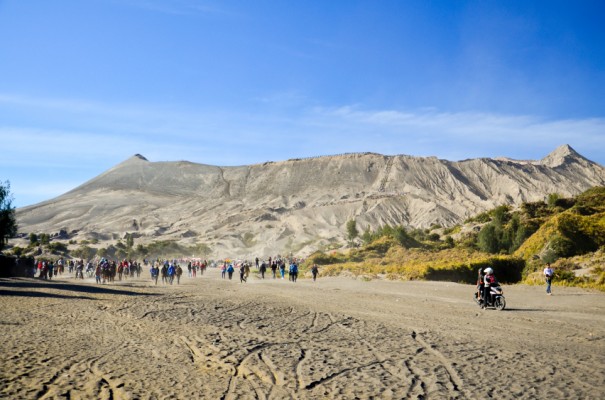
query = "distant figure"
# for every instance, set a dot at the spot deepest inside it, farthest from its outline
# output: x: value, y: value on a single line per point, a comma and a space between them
x: 50, y: 268
x: 282, y: 269
x: 98, y: 273
x: 223, y: 270
x: 230, y: 270
x: 80, y: 270
x: 263, y: 269
x: 293, y: 272
x: 155, y: 272
x: 171, y: 272
x: 273, y: 268
x: 548, y: 273
x: 178, y: 272
x: 242, y: 273
x: 164, y: 272
x: 314, y: 271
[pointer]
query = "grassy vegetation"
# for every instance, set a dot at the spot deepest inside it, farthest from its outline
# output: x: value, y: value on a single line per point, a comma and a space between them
x: 385, y: 257
x: 569, y: 232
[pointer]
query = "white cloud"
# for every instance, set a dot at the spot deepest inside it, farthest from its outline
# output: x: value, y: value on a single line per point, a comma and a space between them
x: 451, y: 133
x: 82, y: 131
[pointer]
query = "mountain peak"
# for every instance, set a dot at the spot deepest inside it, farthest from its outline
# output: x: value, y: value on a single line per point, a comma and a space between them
x: 561, y: 155
x: 564, y: 150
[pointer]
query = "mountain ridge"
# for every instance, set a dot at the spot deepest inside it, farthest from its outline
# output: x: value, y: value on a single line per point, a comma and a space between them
x: 298, y: 205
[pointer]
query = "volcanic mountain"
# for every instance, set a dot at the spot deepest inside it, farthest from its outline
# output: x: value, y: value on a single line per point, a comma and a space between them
x: 298, y: 205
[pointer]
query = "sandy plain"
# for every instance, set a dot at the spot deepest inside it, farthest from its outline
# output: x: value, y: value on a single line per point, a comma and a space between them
x: 337, y: 338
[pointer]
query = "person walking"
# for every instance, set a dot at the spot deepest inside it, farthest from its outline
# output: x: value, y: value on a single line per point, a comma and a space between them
x: 263, y: 269
x: 242, y: 273
x: 178, y: 272
x: 171, y: 272
x: 246, y: 270
x: 273, y: 268
x: 155, y: 271
x: 293, y: 272
x: 548, y: 273
x: 314, y: 271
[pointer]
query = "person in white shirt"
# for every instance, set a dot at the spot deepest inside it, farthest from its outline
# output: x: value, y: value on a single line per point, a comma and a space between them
x: 548, y: 273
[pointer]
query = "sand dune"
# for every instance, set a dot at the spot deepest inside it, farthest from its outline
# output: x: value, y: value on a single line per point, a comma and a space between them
x: 337, y: 338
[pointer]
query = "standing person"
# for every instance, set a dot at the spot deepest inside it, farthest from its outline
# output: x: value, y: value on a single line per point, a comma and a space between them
x: 273, y: 268
x: 223, y: 270
x: 164, y: 273
x: 189, y: 269
x: 98, y: 272
x: 263, y: 269
x: 80, y: 270
x: 50, y: 268
x: 282, y: 269
x: 230, y: 270
x: 256, y: 261
x: 242, y: 273
x: 171, y: 272
x: 548, y: 273
x: 155, y: 271
x: 294, y: 271
x: 246, y: 270
x: 178, y: 272
x: 314, y: 271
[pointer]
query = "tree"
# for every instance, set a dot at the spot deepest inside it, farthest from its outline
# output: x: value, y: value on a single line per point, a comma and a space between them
x: 8, y: 223
x: 129, y: 241
x: 552, y: 199
x: 84, y: 252
x: 102, y: 252
x: 203, y: 249
x: 352, y: 231
x: 44, y: 239
x: 488, y: 239
x: 367, y: 236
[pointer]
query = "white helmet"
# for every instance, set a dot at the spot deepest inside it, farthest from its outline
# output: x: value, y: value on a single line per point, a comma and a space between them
x: 488, y: 271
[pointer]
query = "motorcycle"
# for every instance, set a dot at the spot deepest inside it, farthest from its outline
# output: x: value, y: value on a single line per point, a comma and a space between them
x: 496, y: 295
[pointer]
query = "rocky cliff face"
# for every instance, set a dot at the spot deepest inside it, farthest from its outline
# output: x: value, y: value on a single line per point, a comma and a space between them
x: 299, y: 205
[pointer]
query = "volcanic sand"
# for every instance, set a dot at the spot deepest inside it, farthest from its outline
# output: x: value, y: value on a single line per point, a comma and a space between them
x: 337, y: 338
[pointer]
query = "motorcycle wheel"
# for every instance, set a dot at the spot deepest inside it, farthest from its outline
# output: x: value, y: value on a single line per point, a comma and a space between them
x: 499, y: 303
x: 476, y: 298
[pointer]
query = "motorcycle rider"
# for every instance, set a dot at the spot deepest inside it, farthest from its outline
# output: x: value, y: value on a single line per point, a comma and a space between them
x: 488, y: 280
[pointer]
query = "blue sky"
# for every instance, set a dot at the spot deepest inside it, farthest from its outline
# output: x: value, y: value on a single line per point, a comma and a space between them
x: 85, y: 85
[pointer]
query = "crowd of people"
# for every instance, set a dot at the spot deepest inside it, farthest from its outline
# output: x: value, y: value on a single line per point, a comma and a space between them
x: 106, y: 271
x: 277, y: 266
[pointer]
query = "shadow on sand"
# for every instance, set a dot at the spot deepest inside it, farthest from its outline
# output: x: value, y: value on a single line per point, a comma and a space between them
x: 22, y: 293
x: 31, y: 283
